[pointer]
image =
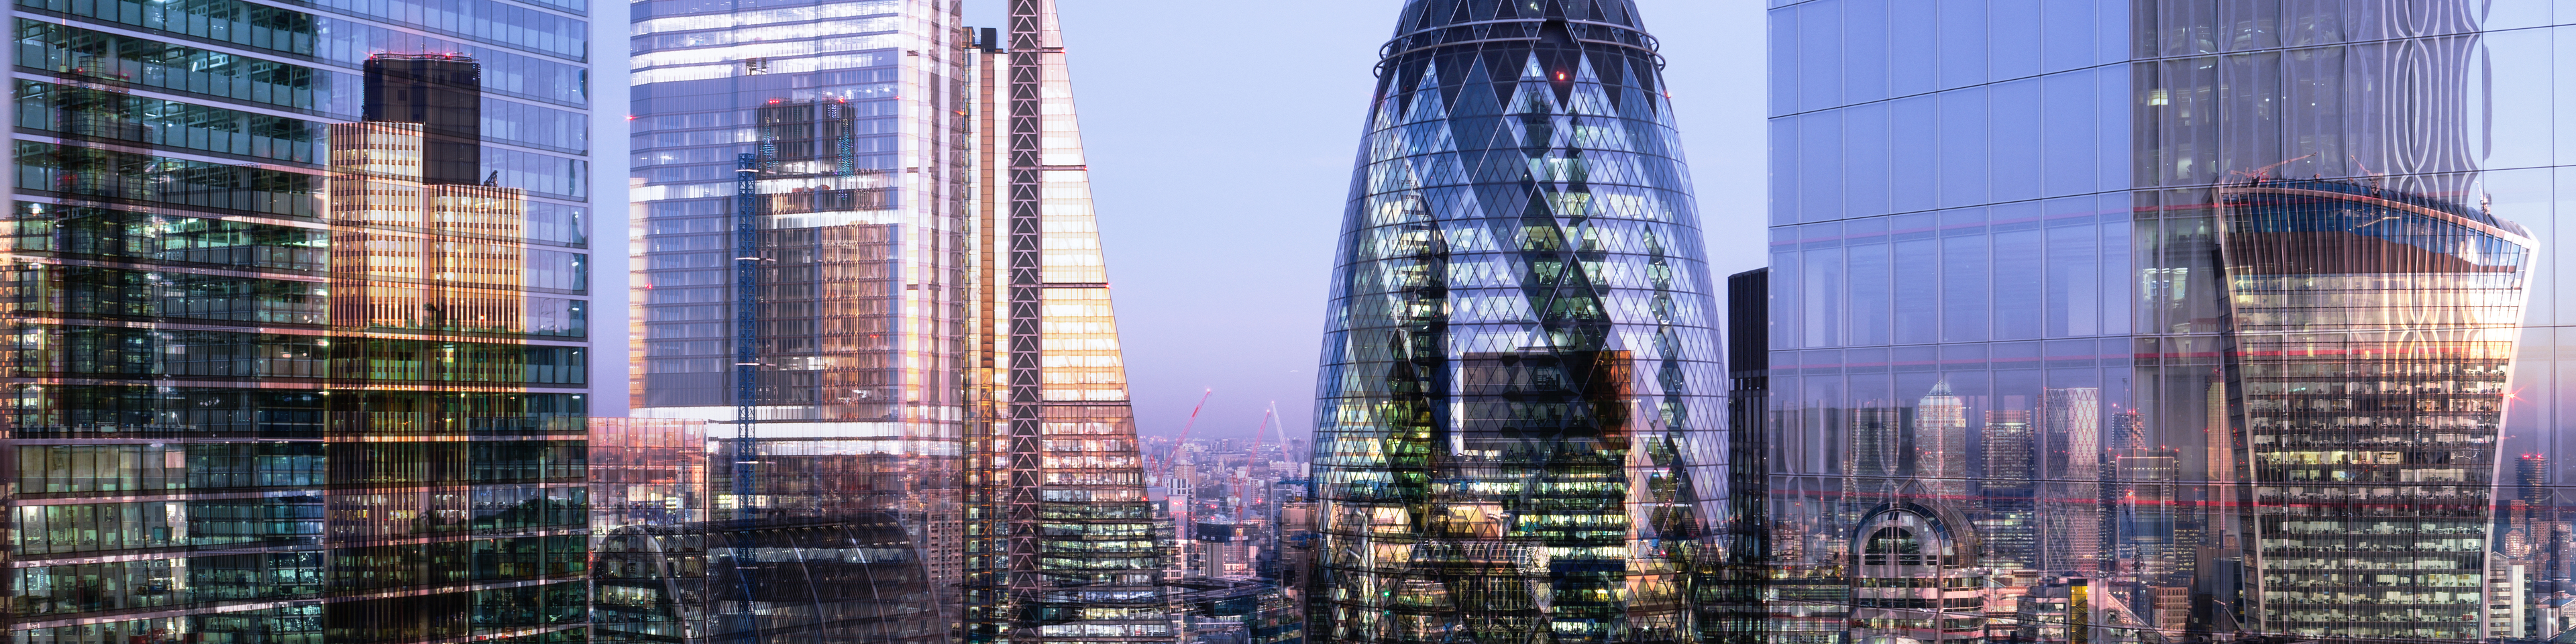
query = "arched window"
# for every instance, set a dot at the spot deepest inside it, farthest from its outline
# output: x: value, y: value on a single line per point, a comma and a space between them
x: 1892, y: 546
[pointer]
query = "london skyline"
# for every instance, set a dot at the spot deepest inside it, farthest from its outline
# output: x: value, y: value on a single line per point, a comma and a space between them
x: 1521, y: 322
x: 1169, y: 248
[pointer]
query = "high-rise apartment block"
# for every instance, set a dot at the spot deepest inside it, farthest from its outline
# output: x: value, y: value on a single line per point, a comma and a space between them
x: 299, y: 323
x: 2254, y: 286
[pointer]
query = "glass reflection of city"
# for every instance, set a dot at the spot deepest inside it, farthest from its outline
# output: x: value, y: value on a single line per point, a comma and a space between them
x: 298, y: 314
x: 891, y: 299
x: 2177, y: 322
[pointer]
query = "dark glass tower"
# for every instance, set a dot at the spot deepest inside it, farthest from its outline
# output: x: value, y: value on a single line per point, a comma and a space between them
x: 1519, y: 364
x: 1736, y: 596
x: 442, y: 93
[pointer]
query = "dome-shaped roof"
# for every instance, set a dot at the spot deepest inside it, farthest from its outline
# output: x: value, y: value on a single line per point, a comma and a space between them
x: 1434, y: 14
x: 1503, y: 36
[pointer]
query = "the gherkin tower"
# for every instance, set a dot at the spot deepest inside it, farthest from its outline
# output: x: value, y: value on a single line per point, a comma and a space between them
x: 1520, y: 421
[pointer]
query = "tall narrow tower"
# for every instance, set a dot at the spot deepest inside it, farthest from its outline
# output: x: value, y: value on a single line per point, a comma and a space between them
x: 925, y: 339
x: 1519, y: 354
x: 800, y: 282
x: 1079, y: 559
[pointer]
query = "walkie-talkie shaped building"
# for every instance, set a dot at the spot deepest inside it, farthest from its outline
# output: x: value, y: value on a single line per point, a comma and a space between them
x: 2236, y: 298
x: 1518, y: 359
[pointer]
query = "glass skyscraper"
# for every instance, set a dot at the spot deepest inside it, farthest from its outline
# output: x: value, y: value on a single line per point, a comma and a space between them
x: 2239, y: 304
x: 297, y: 306
x: 852, y: 204
x: 866, y: 248
x: 1520, y: 362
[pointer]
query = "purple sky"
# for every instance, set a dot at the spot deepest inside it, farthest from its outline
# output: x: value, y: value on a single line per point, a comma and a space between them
x: 1221, y: 134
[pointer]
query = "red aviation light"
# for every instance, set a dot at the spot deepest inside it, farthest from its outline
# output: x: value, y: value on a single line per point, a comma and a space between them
x: 1560, y: 76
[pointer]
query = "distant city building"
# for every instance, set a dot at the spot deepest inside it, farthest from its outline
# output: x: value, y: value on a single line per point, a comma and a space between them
x: 1941, y: 457
x: 2007, y: 504
x: 649, y: 527
x: 2070, y: 457
x: 1733, y: 601
x: 1916, y: 578
x: 1522, y: 361
x: 2422, y: 462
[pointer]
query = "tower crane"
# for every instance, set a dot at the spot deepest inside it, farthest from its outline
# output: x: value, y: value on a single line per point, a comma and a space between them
x: 1164, y: 471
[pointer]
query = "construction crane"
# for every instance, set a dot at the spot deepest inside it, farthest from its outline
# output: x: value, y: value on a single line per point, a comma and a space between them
x: 1164, y: 471
x: 1256, y: 438
x: 1243, y: 484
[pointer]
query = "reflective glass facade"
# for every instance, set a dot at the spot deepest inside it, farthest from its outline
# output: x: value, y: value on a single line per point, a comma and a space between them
x: 1520, y: 360
x: 867, y: 249
x: 648, y: 491
x: 855, y: 203
x: 1076, y: 533
x: 298, y: 314
x: 2165, y: 320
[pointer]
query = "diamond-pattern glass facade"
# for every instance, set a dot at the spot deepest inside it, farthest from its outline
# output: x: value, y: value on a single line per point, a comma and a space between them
x: 1520, y: 367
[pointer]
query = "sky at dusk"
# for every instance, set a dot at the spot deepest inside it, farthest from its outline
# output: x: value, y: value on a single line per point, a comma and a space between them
x: 1221, y: 135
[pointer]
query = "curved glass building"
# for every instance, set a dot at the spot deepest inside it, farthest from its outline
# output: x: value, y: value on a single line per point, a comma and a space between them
x: 2374, y: 332
x: 1520, y: 346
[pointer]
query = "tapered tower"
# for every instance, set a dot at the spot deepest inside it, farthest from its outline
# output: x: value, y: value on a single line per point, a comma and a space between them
x: 1518, y: 361
x: 1068, y: 512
